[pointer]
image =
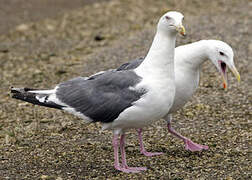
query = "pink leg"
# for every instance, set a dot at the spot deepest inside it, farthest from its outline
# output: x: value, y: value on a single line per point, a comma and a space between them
x: 142, y: 149
x: 116, y: 156
x: 124, y: 163
x: 189, y: 145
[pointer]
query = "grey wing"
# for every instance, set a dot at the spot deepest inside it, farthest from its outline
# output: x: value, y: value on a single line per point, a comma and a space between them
x: 93, y: 76
x: 131, y: 65
x: 126, y: 66
x: 103, y: 97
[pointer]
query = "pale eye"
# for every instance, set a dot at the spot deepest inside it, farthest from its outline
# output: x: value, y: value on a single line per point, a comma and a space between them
x: 221, y: 53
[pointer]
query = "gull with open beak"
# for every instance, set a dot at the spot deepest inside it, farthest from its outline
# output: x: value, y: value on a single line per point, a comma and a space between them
x: 188, y: 62
x: 224, y: 59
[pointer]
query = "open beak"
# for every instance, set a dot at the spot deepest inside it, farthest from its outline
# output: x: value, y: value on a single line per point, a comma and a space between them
x: 223, y: 67
x: 181, y: 30
x: 224, y: 79
x: 236, y: 73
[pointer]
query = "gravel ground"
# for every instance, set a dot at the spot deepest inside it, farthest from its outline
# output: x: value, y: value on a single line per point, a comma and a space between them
x: 14, y: 12
x: 41, y: 143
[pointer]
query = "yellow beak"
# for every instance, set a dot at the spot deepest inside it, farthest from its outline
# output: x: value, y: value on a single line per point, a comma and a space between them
x: 224, y: 76
x: 236, y: 73
x: 181, y: 30
x: 224, y: 79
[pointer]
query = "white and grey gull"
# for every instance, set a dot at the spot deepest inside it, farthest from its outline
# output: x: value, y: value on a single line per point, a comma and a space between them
x: 121, y: 100
x: 188, y: 63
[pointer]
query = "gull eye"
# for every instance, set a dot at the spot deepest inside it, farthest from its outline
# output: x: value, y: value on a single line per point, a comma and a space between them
x: 167, y: 17
x: 221, y: 53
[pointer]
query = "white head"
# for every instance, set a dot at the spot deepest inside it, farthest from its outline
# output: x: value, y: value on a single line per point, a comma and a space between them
x: 222, y: 55
x: 171, y: 22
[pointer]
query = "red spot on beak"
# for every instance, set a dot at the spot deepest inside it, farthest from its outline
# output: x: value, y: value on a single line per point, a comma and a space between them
x: 224, y: 85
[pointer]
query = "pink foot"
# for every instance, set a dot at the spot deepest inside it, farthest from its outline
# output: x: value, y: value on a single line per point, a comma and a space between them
x: 149, y: 154
x: 136, y: 168
x: 124, y: 167
x: 191, y: 146
x: 142, y: 149
x: 126, y: 170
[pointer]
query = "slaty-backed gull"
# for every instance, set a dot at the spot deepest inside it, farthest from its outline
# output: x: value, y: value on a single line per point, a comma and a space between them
x: 121, y: 100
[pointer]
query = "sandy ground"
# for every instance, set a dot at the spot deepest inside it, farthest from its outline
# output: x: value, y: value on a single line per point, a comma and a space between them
x: 60, y: 42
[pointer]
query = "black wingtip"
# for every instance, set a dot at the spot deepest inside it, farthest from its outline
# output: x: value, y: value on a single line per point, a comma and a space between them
x: 16, y: 96
x: 24, y: 95
x: 15, y: 90
x: 21, y: 90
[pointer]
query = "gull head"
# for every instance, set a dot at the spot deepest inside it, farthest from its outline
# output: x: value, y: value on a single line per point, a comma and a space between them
x: 171, y: 23
x: 222, y: 55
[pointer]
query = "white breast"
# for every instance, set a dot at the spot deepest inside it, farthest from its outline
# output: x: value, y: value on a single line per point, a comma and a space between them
x: 151, y: 107
x: 186, y: 81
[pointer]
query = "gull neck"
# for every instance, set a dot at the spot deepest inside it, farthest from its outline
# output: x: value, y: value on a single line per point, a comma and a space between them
x: 161, y: 54
x: 196, y: 54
